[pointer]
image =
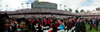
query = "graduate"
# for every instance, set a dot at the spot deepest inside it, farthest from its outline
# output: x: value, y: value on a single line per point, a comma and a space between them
x: 83, y: 28
x: 61, y: 24
x: 93, y: 23
x: 48, y: 21
x: 14, y: 24
x: 4, y: 23
x: 22, y: 26
x: 54, y: 26
x: 69, y: 24
x: 77, y: 25
x: 33, y: 27
x: 44, y: 21
x: 40, y: 26
x: 97, y: 23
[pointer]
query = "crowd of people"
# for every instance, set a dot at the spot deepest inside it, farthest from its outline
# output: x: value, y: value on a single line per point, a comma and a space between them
x: 8, y: 24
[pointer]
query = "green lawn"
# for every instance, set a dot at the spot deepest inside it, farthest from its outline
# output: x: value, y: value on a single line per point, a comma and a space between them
x: 93, y: 29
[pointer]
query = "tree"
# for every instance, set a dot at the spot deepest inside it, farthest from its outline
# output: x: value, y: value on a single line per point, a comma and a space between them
x: 82, y: 11
x: 70, y: 10
x: 77, y: 11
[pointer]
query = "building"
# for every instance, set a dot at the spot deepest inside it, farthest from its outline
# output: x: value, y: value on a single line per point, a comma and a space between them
x: 97, y: 9
x: 44, y: 5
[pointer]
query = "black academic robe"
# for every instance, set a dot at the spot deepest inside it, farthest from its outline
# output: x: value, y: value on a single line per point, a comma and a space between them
x: 73, y: 23
x: 33, y: 27
x: 2, y: 29
x: 77, y: 27
x: 39, y: 27
x: 54, y: 28
x: 68, y: 25
x: 14, y: 27
x: 97, y: 22
x: 65, y: 23
x: 45, y: 24
x: 83, y: 27
x: 91, y: 23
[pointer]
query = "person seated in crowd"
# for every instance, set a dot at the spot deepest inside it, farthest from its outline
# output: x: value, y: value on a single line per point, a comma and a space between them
x: 22, y: 26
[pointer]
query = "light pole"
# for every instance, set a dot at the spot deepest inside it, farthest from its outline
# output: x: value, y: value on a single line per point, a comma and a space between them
x: 65, y: 7
x: 22, y: 5
x: 6, y: 8
x: 60, y: 6
x: 27, y: 4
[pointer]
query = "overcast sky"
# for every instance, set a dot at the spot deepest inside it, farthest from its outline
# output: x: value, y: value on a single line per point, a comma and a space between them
x: 73, y: 4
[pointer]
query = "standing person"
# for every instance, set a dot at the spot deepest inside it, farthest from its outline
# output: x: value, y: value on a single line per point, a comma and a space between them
x: 22, y: 26
x: 5, y: 25
x: 77, y: 25
x: 44, y: 21
x: 82, y: 25
x: 14, y: 25
x: 33, y: 27
x: 61, y: 24
x: 93, y: 23
x: 48, y: 21
x: 54, y: 26
x: 97, y: 23
x: 39, y: 26
x: 70, y: 23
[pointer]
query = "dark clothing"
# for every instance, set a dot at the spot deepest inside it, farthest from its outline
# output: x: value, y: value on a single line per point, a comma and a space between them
x: 39, y: 27
x: 77, y: 27
x: 83, y: 27
x: 2, y: 29
x: 70, y: 25
x: 33, y: 27
x: 54, y: 28
x: 45, y: 22
x: 95, y: 22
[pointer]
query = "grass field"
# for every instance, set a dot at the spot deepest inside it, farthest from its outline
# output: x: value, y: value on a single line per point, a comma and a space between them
x: 93, y: 29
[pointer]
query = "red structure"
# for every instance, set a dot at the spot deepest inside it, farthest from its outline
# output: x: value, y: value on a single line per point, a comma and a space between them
x: 98, y: 9
x: 38, y: 13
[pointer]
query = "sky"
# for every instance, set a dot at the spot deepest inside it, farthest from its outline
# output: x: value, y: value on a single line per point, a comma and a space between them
x: 12, y: 5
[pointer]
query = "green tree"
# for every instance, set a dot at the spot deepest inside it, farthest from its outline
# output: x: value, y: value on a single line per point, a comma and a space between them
x: 77, y: 11
x: 82, y: 11
x: 70, y: 10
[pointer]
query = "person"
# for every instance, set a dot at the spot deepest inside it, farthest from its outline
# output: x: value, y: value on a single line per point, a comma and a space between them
x: 22, y: 26
x: 5, y: 25
x: 69, y: 24
x: 54, y: 26
x: 31, y: 22
x: 77, y: 25
x: 83, y: 28
x: 14, y: 24
x: 93, y: 23
x: 61, y: 24
x: 44, y: 21
x: 39, y: 26
x: 48, y: 21
x: 97, y: 23
x: 33, y: 27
